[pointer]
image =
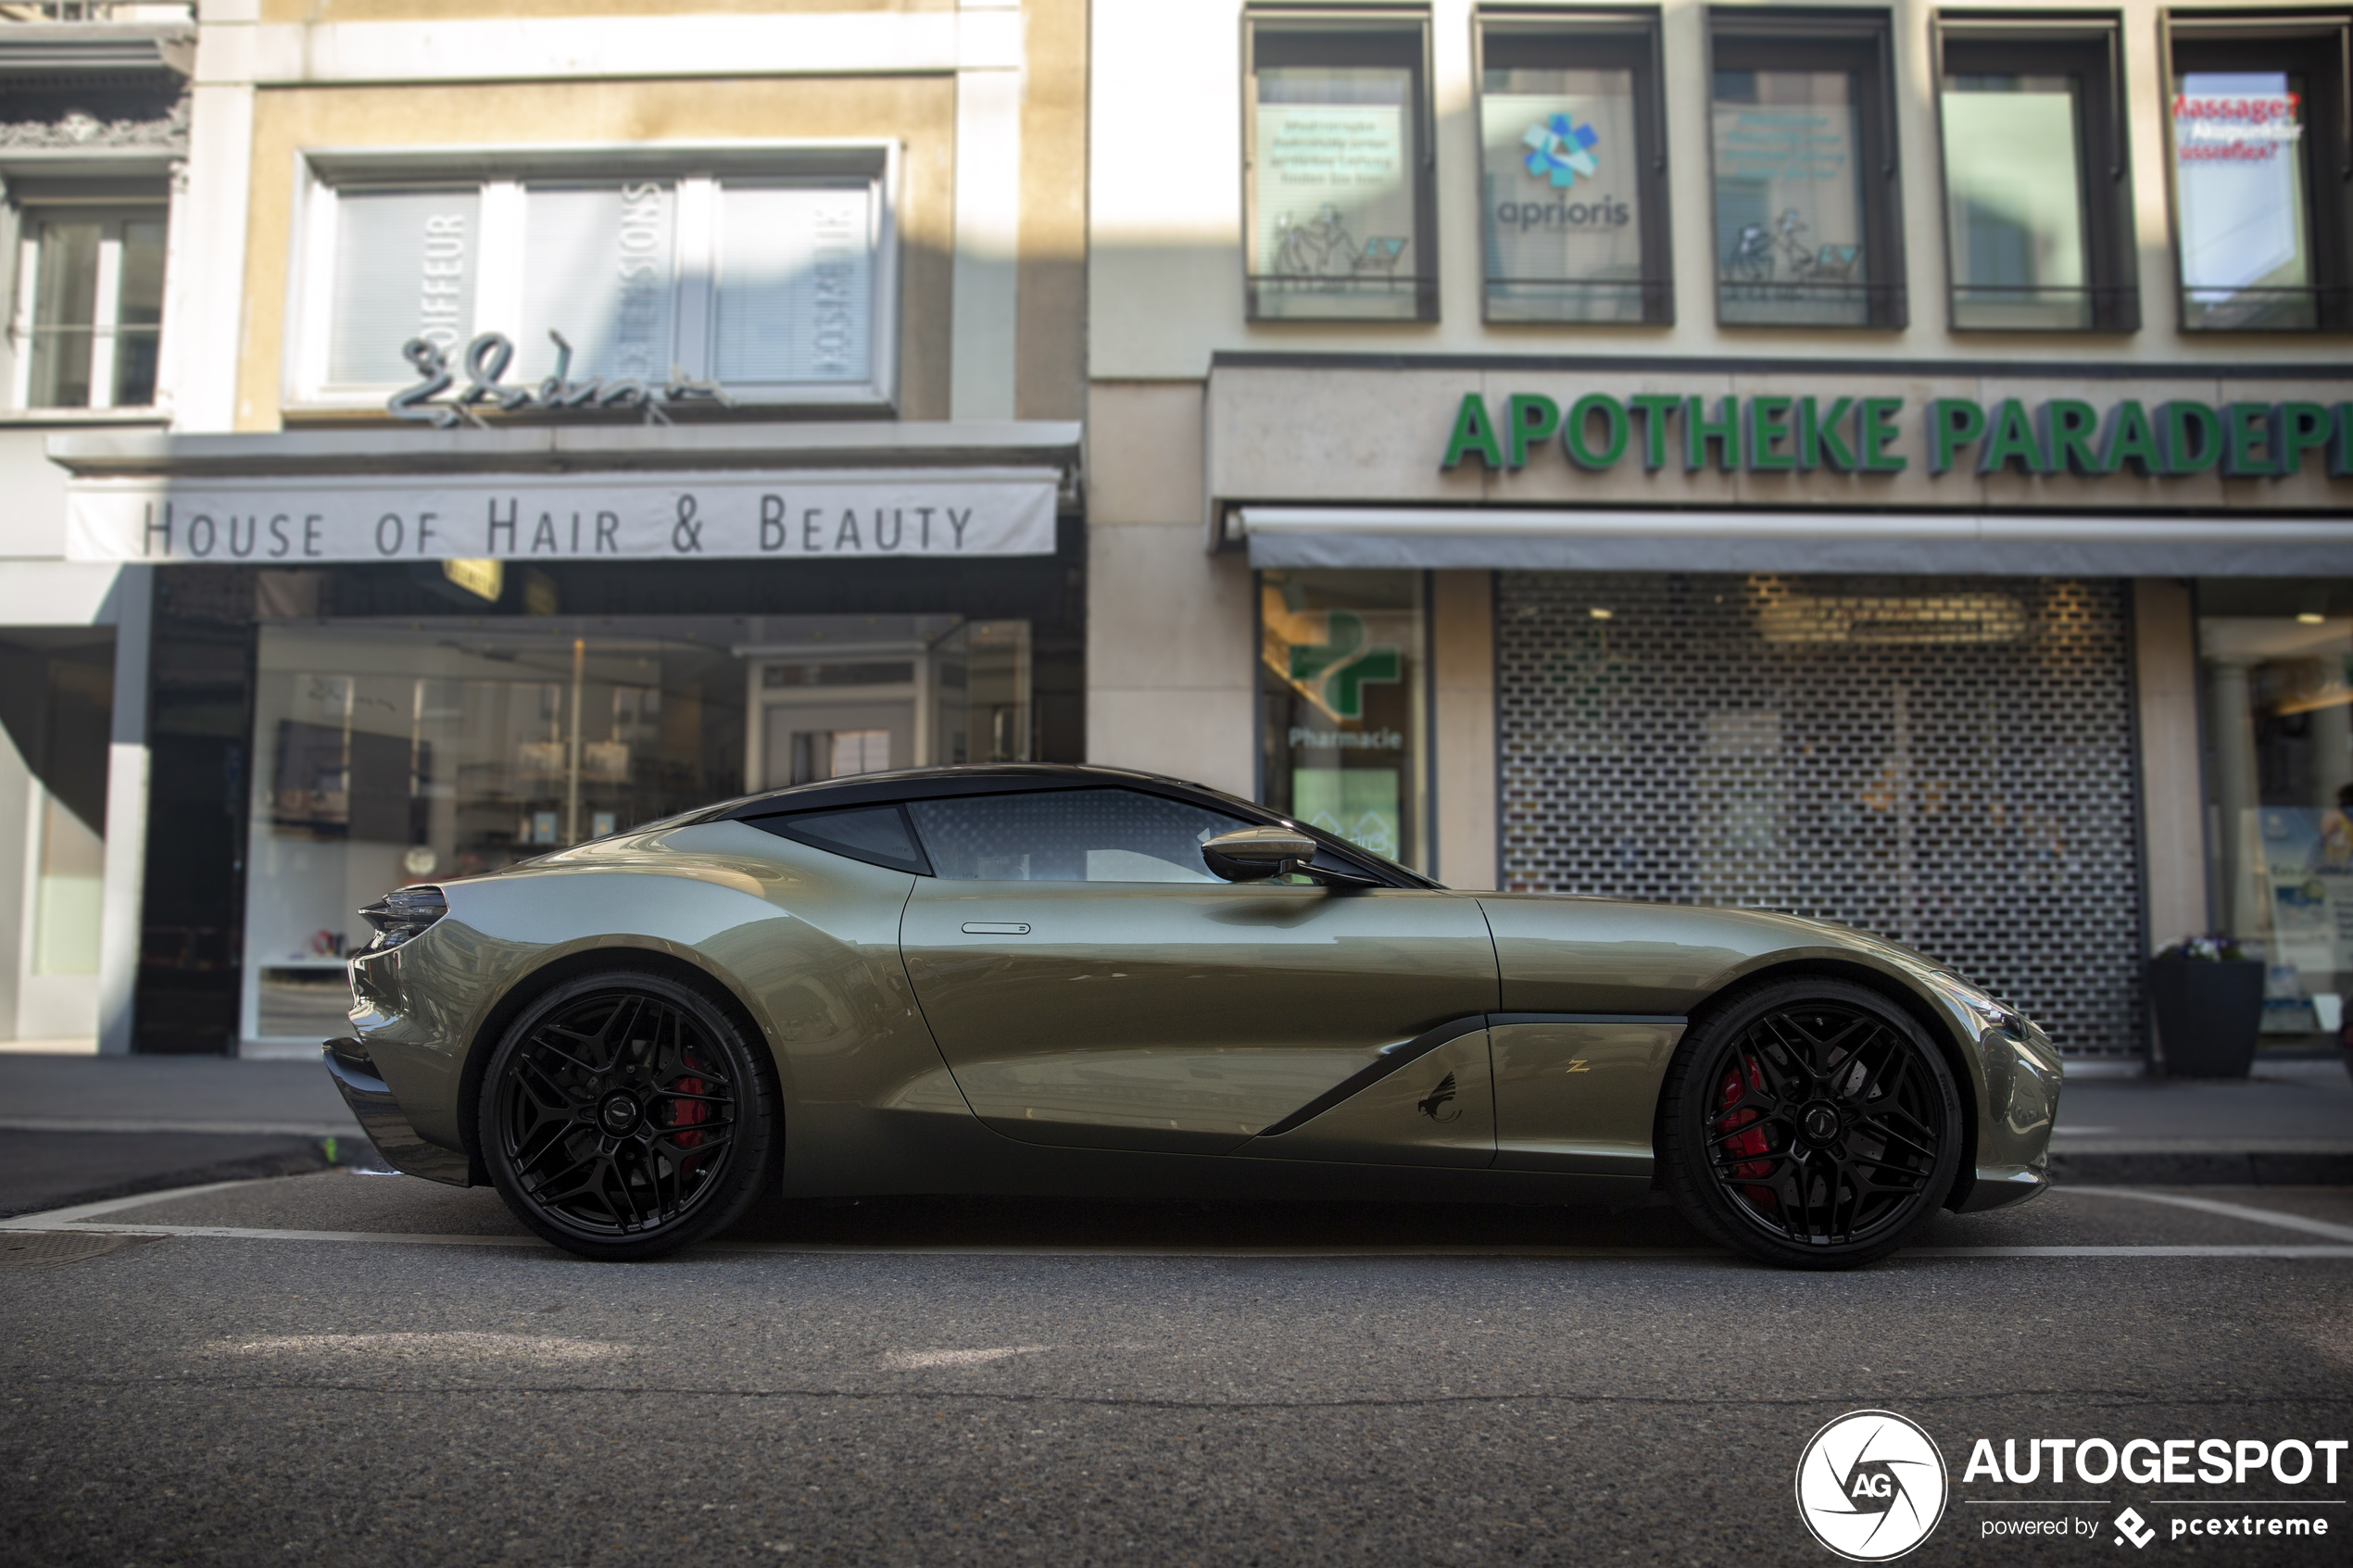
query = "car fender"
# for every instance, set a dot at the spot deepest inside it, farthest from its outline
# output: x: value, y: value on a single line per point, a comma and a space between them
x: 807, y: 945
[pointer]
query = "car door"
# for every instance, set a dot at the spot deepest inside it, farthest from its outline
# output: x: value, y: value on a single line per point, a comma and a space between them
x: 1091, y: 983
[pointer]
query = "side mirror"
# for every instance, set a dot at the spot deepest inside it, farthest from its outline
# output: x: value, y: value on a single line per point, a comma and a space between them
x: 1255, y: 854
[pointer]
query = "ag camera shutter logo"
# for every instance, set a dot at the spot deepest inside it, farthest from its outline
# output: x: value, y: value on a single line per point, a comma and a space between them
x: 1870, y: 1486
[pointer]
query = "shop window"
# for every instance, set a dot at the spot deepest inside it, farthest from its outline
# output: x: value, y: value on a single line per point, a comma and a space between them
x: 1343, y: 713
x: 1573, y: 168
x: 2276, y: 666
x: 2037, y: 221
x: 1803, y: 140
x: 1338, y: 166
x: 2258, y: 143
x: 89, y: 306
x: 772, y: 279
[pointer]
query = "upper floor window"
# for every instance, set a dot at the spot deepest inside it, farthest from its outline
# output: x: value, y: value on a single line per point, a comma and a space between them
x: 2037, y: 224
x: 1573, y: 168
x: 771, y: 276
x: 1337, y: 182
x: 89, y: 305
x: 2258, y: 147
x: 1802, y: 138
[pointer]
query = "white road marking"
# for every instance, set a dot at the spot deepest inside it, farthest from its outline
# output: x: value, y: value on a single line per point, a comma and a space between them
x: 2228, y: 1211
x: 916, y: 1361
x: 52, y: 1219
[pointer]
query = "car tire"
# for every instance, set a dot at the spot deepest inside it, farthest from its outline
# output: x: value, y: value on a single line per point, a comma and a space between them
x: 1809, y: 1122
x: 624, y: 1115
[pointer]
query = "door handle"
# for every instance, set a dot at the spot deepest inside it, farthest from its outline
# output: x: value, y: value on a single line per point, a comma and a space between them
x: 996, y: 928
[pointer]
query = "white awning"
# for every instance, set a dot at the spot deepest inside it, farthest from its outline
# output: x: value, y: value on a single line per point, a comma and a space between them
x: 559, y: 493
x: 2004, y: 543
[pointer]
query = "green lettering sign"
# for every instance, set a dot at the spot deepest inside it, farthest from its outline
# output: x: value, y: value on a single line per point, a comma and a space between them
x: 1612, y: 413
x: 1532, y: 419
x: 1777, y: 434
x: 1953, y: 423
x: 2012, y: 441
x: 1473, y: 436
x: 2130, y: 439
x: 1699, y: 431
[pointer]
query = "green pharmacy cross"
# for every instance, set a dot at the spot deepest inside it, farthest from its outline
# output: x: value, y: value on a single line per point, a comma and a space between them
x: 1340, y: 668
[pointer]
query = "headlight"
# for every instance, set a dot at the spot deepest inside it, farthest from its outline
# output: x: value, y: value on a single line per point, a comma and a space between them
x: 1995, y: 1014
x: 401, y: 915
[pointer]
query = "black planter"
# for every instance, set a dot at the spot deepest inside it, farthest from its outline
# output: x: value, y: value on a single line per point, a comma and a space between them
x: 2208, y: 1014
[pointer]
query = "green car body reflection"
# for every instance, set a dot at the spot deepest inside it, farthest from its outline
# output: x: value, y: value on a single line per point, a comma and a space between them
x: 1044, y: 979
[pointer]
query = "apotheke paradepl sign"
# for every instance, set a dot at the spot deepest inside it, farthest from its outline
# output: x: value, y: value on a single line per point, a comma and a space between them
x: 1768, y: 435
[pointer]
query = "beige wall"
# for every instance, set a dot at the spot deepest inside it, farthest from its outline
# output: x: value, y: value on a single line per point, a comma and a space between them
x: 1050, y: 380
x: 1170, y: 668
x: 1463, y: 727
x: 2172, y: 795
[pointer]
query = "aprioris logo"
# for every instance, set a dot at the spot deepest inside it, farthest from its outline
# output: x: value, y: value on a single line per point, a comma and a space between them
x: 1559, y: 150
x: 1870, y: 1486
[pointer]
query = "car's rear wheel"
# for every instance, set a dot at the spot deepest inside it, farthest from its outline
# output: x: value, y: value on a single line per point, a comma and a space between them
x: 624, y: 1115
x: 1809, y: 1122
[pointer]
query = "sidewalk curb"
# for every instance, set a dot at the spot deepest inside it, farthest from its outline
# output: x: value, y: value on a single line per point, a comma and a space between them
x: 322, y: 1154
x: 2203, y: 1168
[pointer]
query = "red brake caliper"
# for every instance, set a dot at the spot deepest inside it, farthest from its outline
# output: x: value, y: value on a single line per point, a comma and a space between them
x: 1749, y: 1142
x: 687, y: 1112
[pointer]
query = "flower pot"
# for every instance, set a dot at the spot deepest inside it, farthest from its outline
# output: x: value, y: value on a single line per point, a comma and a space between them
x: 2208, y: 1013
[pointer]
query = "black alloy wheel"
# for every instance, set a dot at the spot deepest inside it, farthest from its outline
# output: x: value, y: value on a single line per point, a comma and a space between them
x: 625, y: 1115
x: 1809, y: 1122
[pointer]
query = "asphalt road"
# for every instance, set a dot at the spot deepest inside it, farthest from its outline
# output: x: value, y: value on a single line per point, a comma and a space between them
x: 412, y: 1382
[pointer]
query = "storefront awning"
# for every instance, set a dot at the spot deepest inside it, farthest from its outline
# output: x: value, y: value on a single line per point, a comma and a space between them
x: 570, y: 492
x: 2002, y: 543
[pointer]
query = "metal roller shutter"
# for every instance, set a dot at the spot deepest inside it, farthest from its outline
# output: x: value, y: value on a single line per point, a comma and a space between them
x: 1947, y: 762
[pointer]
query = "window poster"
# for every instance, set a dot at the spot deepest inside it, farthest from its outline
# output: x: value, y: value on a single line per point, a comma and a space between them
x: 405, y: 266
x: 2306, y: 856
x: 2239, y: 173
x: 1341, y: 699
x: 1333, y: 169
x: 1789, y: 198
x: 1563, y: 195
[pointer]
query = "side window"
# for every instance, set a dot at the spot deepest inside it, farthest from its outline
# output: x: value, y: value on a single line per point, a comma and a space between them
x: 1068, y: 835
x: 877, y: 835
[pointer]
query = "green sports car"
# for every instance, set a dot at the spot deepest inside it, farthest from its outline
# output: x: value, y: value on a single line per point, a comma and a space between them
x: 1079, y: 981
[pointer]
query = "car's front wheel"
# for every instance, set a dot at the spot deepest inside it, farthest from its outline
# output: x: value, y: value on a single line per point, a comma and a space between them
x: 624, y: 1115
x: 1809, y: 1122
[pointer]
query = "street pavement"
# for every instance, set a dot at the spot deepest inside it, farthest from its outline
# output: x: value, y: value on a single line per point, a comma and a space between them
x: 352, y: 1369
x: 75, y: 1129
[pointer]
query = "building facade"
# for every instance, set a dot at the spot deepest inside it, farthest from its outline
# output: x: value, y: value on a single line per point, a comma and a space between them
x: 1884, y: 462
x: 570, y: 414
x: 1890, y: 462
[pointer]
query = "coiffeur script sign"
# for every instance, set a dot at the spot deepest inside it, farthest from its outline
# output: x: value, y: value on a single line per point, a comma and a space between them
x: 563, y: 517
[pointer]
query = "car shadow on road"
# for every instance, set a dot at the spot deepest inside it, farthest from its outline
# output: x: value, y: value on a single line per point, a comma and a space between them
x: 1029, y: 1223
